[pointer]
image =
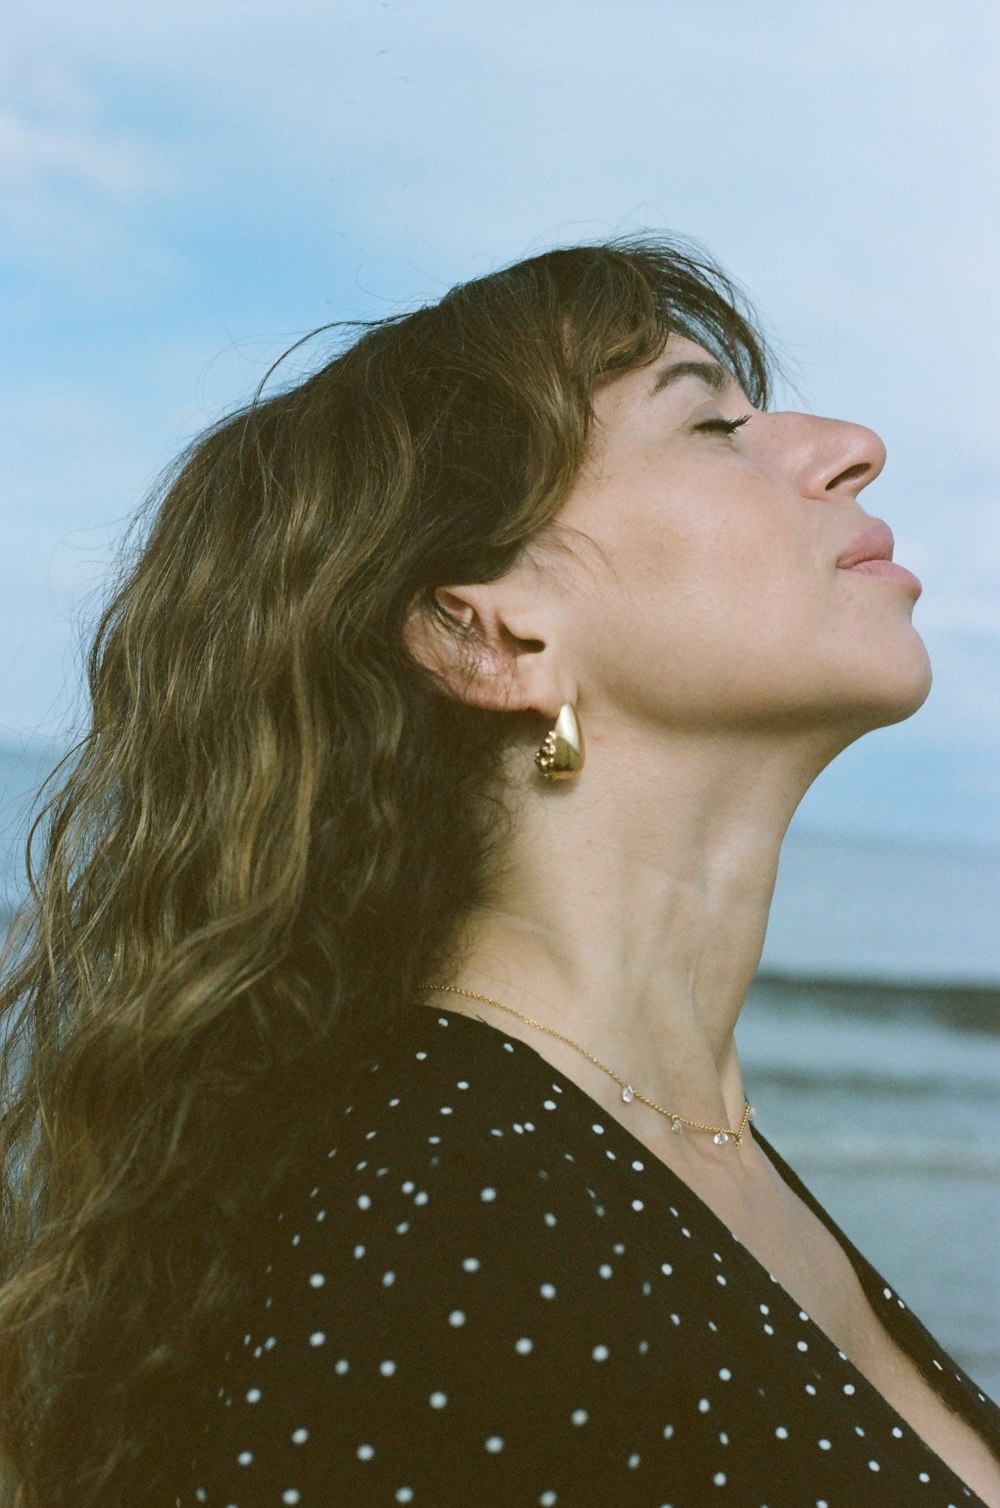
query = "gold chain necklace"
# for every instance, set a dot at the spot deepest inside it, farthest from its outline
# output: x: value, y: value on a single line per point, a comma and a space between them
x: 720, y: 1134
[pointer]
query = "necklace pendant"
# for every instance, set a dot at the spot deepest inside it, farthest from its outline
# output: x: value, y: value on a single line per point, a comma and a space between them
x: 720, y: 1138
x: 628, y: 1094
x: 675, y: 1125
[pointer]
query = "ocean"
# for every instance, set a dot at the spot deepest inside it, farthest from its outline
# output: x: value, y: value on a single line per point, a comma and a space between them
x: 870, y: 1043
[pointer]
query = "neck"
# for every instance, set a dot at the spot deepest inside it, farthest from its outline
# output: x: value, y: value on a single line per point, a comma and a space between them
x: 629, y: 913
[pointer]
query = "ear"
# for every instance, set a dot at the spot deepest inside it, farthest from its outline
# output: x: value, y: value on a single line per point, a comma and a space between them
x: 482, y: 649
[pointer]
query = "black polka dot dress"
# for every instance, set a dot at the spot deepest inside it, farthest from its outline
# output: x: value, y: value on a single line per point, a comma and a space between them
x: 487, y: 1294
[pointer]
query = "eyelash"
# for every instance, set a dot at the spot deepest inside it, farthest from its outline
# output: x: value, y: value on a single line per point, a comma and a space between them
x: 722, y: 426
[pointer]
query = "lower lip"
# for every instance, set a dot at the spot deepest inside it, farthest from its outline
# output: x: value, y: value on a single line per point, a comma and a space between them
x: 890, y: 569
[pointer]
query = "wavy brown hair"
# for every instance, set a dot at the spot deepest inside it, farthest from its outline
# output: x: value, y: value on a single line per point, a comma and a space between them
x: 264, y: 841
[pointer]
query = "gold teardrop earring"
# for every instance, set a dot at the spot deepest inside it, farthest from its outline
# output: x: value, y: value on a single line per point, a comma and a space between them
x: 562, y: 754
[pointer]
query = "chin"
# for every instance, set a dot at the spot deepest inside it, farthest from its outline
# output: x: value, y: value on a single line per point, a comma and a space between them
x: 905, y: 685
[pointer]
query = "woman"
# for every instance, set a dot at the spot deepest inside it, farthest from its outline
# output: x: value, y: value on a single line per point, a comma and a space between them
x: 379, y: 1134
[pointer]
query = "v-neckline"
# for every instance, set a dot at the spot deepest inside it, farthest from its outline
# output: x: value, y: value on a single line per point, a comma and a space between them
x: 872, y: 1283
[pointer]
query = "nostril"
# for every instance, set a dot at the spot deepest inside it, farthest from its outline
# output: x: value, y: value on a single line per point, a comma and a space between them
x: 852, y: 474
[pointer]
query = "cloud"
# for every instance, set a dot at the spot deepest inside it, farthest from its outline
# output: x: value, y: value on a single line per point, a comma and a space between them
x: 34, y: 154
x: 182, y: 182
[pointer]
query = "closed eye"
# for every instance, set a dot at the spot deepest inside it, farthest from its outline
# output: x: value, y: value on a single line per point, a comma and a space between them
x: 722, y: 426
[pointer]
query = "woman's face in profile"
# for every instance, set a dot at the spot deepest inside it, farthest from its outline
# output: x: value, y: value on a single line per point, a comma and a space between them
x: 716, y: 597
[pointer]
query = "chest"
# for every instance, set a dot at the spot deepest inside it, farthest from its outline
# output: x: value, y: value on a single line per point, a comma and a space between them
x: 796, y: 1247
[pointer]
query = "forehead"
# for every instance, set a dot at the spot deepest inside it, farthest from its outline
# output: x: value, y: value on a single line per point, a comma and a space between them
x: 681, y: 362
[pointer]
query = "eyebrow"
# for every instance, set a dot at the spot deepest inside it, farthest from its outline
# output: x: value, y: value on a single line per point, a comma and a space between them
x: 714, y: 376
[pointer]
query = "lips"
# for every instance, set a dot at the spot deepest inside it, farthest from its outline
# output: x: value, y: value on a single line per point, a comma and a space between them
x: 873, y: 542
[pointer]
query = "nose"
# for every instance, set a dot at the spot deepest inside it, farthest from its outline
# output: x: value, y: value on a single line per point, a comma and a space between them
x: 840, y: 459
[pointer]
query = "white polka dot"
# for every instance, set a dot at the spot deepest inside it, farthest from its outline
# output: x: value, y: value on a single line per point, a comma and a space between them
x: 549, y: 1104
x: 897, y: 1432
x: 342, y: 1366
x: 606, y: 1270
x: 666, y: 1269
x: 290, y: 1496
x: 579, y: 1416
x: 364, y: 1202
x: 317, y: 1280
x: 438, y: 1400
x: 488, y: 1195
x: 720, y: 1279
x: 668, y: 1432
x: 634, y: 1460
x: 548, y: 1499
x: 725, y: 1374
x: 874, y: 1466
x: 703, y: 1405
x: 404, y: 1494
x: 887, y: 1292
x: 824, y: 1444
x: 638, y: 1166
x: 549, y: 1218
x: 781, y: 1432
x: 802, y: 1345
x: 768, y: 1329
x: 365, y: 1452
x: 245, y: 1458
x: 317, y: 1338
x: 637, y: 1204
x: 456, y: 1318
x: 471, y: 1264
x: 387, y: 1368
x: 388, y: 1278
x: 723, y: 1438
x: 764, y: 1309
x: 719, y: 1479
x: 548, y: 1291
x: 254, y: 1395
x: 524, y: 1345
x: 493, y: 1444
x: 598, y: 1130
x: 420, y: 1198
x: 849, y: 1388
x: 810, y: 1389
x: 446, y: 1110
x: 300, y: 1436
x: 924, y: 1477
x: 359, y: 1252
x: 600, y: 1353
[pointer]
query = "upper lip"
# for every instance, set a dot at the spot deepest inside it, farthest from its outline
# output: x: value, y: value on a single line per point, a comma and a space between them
x: 873, y: 542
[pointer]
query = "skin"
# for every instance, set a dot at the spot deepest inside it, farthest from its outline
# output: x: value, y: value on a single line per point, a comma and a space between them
x: 718, y: 660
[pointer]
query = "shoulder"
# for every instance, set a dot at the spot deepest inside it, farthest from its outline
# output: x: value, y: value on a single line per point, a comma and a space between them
x: 449, y: 1127
x: 435, y: 1272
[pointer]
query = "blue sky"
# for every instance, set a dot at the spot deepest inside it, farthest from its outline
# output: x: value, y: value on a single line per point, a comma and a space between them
x: 187, y: 188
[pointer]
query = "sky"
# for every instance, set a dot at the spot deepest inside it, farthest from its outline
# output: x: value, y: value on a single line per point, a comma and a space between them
x: 187, y: 189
